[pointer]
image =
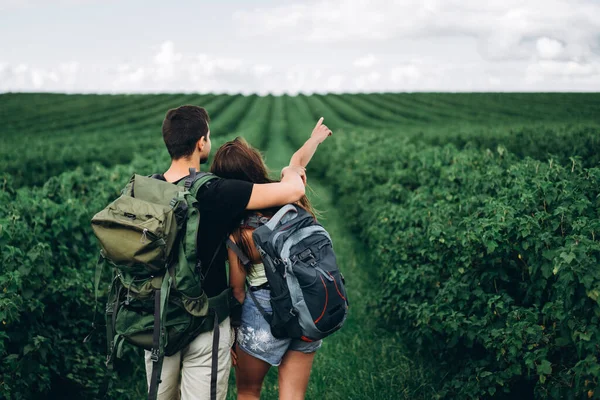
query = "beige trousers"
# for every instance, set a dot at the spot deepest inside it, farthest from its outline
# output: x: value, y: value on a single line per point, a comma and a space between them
x: 186, y: 374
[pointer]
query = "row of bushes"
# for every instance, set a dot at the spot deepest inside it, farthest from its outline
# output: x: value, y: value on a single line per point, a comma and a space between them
x: 109, y: 136
x: 488, y: 262
x: 48, y: 255
x: 565, y: 143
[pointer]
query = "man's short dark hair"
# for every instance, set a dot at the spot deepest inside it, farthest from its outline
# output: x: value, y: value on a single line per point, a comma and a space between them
x: 182, y: 128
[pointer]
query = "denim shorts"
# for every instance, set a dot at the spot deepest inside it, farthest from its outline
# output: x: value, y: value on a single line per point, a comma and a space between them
x: 255, y: 338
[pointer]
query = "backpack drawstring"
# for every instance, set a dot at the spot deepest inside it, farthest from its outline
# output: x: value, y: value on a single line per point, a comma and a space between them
x: 144, y: 236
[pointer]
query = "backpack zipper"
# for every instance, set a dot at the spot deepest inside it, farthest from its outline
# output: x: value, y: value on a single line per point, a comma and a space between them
x: 326, y: 275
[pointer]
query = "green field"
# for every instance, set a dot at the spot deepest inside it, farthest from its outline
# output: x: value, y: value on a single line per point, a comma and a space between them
x: 466, y: 225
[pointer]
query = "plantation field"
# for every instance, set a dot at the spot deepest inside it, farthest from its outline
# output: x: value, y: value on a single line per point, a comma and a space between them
x: 467, y: 227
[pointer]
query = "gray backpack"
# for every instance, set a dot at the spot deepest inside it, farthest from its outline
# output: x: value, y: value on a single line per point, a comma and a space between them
x: 308, y: 296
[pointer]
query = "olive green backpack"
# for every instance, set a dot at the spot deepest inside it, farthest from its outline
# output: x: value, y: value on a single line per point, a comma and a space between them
x: 148, y: 236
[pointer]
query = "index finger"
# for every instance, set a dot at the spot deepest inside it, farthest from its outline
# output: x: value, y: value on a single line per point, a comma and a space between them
x: 319, y: 122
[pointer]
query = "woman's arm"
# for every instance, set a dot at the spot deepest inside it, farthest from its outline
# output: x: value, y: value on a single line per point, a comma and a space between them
x: 237, y: 276
x: 303, y: 156
x: 293, y: 177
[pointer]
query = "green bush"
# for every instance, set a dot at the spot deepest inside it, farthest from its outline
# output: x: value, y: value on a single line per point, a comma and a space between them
x: 540, y: 141
x: 487, y: 262
x: 486, y: 258
x: 48, y: 255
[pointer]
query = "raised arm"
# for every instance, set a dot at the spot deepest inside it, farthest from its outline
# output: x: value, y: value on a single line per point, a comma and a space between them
x: 303, y: 156
x: 293, y: 177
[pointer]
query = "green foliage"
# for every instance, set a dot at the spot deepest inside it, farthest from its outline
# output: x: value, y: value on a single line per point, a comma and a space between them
x: 485, y: 251
x: 48, y: 253
x: 487, y: 262
x: 566, y: 143
x: 87, y: 129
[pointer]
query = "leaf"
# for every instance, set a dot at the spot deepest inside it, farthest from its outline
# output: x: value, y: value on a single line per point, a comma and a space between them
x: 28, y: 349
x: 549, y: 254
x: 491, y: 246
x: 593, y: 294
x: 544, y: 368
x: 567, y: 257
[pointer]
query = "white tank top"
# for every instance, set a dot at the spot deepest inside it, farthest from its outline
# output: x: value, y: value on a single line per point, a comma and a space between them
x: 257, y: 275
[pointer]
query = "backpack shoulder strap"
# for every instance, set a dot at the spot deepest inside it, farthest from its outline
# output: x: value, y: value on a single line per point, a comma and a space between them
x: 191, y: 179
x: 202, y: 179
x: 238, y: 252
x: 193, y: 183
x: 159, y: 336
x: 279, y: 216
x: 195, y: 180
x: 253, y: 221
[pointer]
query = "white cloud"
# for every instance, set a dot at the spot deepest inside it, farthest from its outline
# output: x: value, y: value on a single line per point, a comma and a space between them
x: 279, y: 18
x: 568, y: 71
x: 341, y: 46
x: 128, y: 76
x: 323, y: 21
x: 365, y: 62
x: 8, y: 5
x: 167, y: 54
x: 262, y: 69
x: 334, y: 83
x: 504, y: 28
x: 405, y: 74
x: 494, y: 81
x: 364, y: 82
x: 549, y: 48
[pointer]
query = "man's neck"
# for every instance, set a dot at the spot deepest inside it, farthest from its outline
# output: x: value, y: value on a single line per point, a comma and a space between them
x: 180, y: 168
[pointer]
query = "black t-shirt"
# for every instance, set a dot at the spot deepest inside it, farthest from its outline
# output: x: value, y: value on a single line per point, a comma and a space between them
x: 222, y: 203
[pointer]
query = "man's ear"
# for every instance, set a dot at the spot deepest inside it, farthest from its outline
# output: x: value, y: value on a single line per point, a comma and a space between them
x: 200, y: 144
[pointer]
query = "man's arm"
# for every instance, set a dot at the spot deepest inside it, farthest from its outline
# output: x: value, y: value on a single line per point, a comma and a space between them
x: 289, y: 190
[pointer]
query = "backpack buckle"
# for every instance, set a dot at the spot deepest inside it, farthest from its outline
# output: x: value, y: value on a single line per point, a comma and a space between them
x: 154, y: 355
x: 305, y: 255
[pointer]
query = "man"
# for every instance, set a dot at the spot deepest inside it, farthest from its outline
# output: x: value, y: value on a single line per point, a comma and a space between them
x: 222, y: 202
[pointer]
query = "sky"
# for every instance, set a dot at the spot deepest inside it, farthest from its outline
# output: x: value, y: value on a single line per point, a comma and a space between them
x: 327, y: 46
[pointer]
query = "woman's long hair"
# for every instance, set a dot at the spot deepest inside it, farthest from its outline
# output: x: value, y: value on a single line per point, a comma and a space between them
x: 236, y: 159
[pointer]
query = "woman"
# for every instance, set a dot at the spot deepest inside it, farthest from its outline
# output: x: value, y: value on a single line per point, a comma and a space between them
x: 257, y: 349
